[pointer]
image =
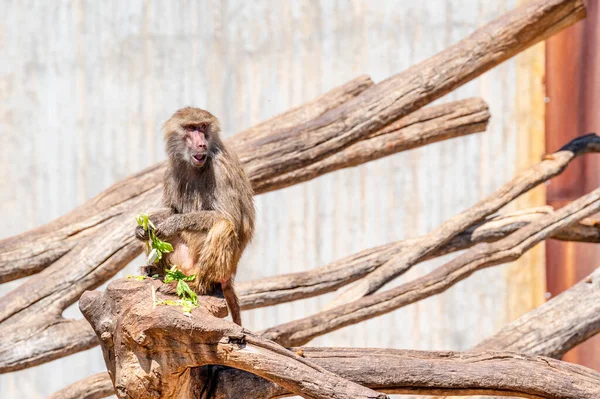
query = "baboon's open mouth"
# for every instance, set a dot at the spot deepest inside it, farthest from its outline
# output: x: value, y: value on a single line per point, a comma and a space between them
x: 199, y: 159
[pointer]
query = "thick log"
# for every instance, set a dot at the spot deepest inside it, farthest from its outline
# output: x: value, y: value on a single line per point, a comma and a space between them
x: 553, y: 165
x: 420, y: 128
x: 158, y: 351
x: 555, y: 327
x: 419, y: 85
x: 84, y: 264
x: 483, y: 255
x: 293, y: 286
x: 411, y: 372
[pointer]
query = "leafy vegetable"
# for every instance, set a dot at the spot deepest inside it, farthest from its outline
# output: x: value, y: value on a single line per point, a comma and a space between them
x: 183, y: 289
x: 156, y: 248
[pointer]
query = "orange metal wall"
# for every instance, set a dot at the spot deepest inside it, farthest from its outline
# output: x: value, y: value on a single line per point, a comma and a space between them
x: 573, y: 109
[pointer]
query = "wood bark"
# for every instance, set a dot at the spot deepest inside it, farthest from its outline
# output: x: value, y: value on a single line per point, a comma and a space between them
x: 555, y: 327
x: 419, y: 85
x: 146, y: 346
x: 409, y: 372
x: 293, y: 286
x: 157, y: 351
x: 434, y: 124
x: 550, y: 330
x: 552, y: 166
x: 301, y: 331
x: 94, y: 249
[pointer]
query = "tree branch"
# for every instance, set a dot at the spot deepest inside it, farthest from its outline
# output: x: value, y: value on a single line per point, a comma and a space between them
x: 293, y: 286
x: 523, y: 182
x: 420, y: 128
x: 483, y: 255
x: 419, y: 85
x: 555, y: 327
x: 158, y: 351
x: 414, y: 372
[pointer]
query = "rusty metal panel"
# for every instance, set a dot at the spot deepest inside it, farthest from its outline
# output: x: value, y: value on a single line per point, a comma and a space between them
x: 573, y: 98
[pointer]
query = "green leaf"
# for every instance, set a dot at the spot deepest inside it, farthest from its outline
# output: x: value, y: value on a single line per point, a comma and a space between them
x: 143, y: 220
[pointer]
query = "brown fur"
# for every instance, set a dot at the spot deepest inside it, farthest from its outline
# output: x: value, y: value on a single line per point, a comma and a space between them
x: 212, y: 218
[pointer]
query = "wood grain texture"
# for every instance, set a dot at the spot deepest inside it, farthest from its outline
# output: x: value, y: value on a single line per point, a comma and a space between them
x: 135, y: 334
x: 550, y: 330
x: 414, y: 372
x: 293, y: 286
x: 299, y: 332
x: 436, y: 238
x: 155, y: 351
x: 564, y: 322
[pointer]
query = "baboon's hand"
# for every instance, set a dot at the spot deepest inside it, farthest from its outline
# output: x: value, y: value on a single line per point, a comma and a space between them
x: 141, y: 234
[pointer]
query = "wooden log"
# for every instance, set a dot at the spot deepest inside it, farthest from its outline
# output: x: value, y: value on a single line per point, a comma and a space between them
x: 555, y: 327
x: 157, y: 351
x: 420, y: 128
x: 85, y: 265
x: 552, y: 166
x: 419, y: 85
x: 483, y: 255
x: 550, y: 330
x: 293, y: 286
x: 418, y: 372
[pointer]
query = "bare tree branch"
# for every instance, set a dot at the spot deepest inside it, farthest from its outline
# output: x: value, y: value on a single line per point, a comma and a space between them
x: 152, y: 351
x: 419, y: 85
x: 523, y: 182
x: 483, y: 255
x: 412, y: 372
x: 555, y: 327
x: 420, y: 128
x: 293, y: 286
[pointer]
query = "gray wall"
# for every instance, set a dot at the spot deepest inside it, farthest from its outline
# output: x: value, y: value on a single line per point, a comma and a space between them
x: 84, y: 87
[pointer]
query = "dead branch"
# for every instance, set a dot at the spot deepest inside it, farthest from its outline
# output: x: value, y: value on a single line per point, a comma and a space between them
x: 410, y: 372
x: 61, y: 284
x: 419, y: 85
x: 430, y: 373
x: 157, y: 351
x: 555, y: 327
x: 483, y: 255
x: 293, y: 286
x: 523, y: 182
x: 433, y: 124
